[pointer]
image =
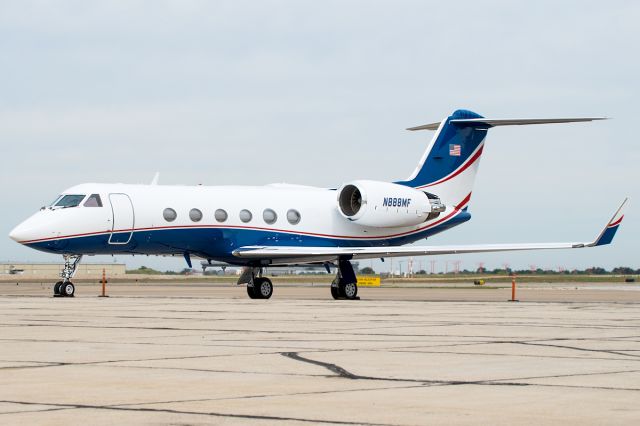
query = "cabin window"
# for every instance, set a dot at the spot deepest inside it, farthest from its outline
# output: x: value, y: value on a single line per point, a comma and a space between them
x: 269, y: 216
x: 69, y: 201
x: 93, y: 201
x: 220, y: 215
x: 169, y: 214
x: 245, y: 215
x: 293, y: 216
x: 195, y: 215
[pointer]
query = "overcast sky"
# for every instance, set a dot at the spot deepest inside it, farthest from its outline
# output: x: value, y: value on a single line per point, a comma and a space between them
x: 318, y: 93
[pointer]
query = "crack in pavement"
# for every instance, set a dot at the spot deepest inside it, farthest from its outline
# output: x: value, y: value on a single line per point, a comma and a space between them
x: 125, y: 407
x: 319, y: 332
x: 575, y: 348
x: 342, y: 373
x: 502, y: 354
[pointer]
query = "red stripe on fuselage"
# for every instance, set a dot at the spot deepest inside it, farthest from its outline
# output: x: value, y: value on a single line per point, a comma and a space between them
x: 455, y: 211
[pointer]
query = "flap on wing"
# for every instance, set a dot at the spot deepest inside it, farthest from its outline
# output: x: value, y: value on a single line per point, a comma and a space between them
x: 332, y: 253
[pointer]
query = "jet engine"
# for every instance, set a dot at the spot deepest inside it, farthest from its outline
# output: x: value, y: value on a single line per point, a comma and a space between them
x: 386, y: 205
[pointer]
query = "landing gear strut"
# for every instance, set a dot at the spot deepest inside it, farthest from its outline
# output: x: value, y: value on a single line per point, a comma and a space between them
x: 65, y: 288
x: 345, y: 284
x: 258, y: 287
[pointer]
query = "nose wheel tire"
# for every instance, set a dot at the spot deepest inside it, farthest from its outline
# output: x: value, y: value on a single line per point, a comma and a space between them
x: 261, y: 288
x: 56, y: 288
x: 67, y: 289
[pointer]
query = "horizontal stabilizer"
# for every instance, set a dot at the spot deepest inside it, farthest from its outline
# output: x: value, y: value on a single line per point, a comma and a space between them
x: 493, y: 122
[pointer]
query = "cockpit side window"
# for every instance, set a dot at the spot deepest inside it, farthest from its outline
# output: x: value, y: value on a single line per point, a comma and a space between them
x: 93, y: 201
x: 69, y: 201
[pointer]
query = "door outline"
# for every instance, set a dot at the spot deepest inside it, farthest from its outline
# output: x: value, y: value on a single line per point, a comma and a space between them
x: 113, y: 223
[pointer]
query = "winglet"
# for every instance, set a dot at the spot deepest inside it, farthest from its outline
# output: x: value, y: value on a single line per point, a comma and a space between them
x: 155, y: 179
x: 609, y: 231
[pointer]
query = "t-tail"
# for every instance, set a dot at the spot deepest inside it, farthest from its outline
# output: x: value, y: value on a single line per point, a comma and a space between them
x: 449, y: 165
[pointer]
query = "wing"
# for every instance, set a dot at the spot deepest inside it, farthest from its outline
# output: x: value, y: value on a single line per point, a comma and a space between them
x: 281, y: 255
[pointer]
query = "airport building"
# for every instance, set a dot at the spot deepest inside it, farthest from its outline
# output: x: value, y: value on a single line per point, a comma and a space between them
x: 85, y: 270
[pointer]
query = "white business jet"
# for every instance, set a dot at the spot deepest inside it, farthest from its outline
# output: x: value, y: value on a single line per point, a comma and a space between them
x: 275, y: 225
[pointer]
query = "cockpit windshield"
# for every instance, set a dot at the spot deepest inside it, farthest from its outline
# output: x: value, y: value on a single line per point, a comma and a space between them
x: 69, y: 201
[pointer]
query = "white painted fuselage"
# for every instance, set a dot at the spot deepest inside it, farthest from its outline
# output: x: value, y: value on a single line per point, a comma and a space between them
x: 141, y: 227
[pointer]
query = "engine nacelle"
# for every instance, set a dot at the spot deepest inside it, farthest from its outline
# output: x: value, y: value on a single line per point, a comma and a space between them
x: 386, y: 205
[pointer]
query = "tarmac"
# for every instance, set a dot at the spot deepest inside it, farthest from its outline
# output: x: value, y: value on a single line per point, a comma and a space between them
x: 206, y: 354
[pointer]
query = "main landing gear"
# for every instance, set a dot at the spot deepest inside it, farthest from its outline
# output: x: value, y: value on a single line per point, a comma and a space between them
x: 258, y: 287
x: 345, y: 284
x: 65, y: 288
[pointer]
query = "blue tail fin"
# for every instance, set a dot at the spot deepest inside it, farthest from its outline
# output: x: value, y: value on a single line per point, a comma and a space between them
x: 449, y: 165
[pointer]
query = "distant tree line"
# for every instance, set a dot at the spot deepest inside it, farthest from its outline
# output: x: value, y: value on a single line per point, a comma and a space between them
x: 594, y: 270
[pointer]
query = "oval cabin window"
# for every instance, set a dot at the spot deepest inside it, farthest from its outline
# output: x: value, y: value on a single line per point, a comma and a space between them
x: 245, y: 215
x: 269, y: 216
x: 293, y: 216
x: 169, y: 214
x: 220, y: 215
x: 195, y: 215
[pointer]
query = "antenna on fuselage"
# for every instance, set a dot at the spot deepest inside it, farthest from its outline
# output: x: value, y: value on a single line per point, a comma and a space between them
x: 155, y: 179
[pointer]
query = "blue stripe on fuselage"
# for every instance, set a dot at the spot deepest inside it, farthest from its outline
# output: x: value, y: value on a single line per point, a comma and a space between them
x: 219, y: 243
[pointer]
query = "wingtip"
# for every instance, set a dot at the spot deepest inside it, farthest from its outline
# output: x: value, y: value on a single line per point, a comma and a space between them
x: 609, y: 231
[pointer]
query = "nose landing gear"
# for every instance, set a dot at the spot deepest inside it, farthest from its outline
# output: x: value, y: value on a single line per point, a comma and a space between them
x: 65, y: 288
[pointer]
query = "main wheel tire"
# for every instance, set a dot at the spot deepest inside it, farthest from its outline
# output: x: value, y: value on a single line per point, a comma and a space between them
x: 67, y: 289
x: 263, y: 287
x: 350, y: 291
x: 56, y: 288
x: 335, y: 292
x: 251, y: 290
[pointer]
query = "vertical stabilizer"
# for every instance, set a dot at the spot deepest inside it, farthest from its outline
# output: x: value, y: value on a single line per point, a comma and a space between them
x: 449, y: 165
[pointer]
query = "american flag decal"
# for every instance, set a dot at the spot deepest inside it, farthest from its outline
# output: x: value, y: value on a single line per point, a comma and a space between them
x: 454, y: 150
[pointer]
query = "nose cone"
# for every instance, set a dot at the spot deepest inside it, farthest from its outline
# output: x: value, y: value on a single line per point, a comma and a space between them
x: 18, y: 233
x: 32, y: 228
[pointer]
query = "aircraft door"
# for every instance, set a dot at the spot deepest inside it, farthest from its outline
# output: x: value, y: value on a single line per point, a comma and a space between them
x: 123, y: 219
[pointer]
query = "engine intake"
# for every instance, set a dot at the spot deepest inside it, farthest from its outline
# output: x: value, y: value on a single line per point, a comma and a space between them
x: 350, y: 200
